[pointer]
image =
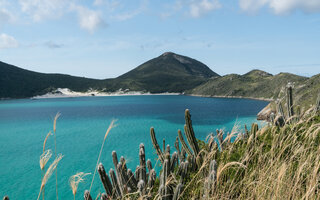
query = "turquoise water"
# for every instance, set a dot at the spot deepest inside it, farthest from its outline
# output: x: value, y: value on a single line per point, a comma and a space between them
x: 25, y: 123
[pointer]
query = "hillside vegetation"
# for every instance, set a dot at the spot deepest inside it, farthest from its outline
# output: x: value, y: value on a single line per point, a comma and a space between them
x: 167, y: 73
x: 260, y: 84
x: 20, y: 83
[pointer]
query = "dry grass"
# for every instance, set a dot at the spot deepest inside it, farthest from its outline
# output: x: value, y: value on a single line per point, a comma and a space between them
x: 49, y: 172
x: 276, y: 163
x: 112, y: 125
x: 44, y: 158
x: 75, y: 180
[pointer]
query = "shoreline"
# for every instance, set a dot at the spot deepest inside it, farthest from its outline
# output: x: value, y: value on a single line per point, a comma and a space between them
x: 72, y: 94
x: 231, y: 97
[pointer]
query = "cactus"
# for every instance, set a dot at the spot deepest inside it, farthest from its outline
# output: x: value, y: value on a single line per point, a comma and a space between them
x: 104, y: 196
x: 174, y: 161
x: 87, y: 195
x: 165, y: 190
x: 182, y: 171
x: 317, y: 107
x: 152, y: 178
x: 280, y: 110
x: 184, y: 144
x: 124, y: 163
x: 115, y: 185
x: 163, y: 145
x: 178, y: 191
x: 176, y: 145
x: 132, y: 180
x: 149, y: 165
x: 190, y: 133
x: 156, y: 145
x: 114, y: 159
x: 142, y: 167
x: 122, y: 179
x: 141, y: 186
x: 289, y: 101
x: 105, y: 180
x: 211, y: 179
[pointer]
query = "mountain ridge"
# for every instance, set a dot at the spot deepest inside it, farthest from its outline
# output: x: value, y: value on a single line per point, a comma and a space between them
x: 168, y: 72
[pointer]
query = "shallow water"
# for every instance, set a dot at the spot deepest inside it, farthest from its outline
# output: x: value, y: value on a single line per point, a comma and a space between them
x: 24, y: 125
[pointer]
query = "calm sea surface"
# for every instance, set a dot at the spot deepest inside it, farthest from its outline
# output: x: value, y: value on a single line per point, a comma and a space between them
x: 24, y: 125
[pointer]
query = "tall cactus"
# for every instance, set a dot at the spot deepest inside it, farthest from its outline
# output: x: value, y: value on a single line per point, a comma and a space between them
x: 156, y: 145
x: 104, y: 196
x: 317, y: 107
x: 165, y: 189
x: 105, y: 180
x: 184, y: 144
x: 87, y: 195
x: 289, y: 101
x: 132, y: 180
x: 190, y: 133
x: 177, y: 192
x: 115, y: 185
x: 142, y: 167
x: 211, y: 179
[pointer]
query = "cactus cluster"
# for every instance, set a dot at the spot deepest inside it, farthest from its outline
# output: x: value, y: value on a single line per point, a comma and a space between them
x: 121, y: 181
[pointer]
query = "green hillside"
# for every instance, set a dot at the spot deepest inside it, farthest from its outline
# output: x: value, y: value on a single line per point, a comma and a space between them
x: 169, y: 72
x: 260, y: 84
x: 20, y: 83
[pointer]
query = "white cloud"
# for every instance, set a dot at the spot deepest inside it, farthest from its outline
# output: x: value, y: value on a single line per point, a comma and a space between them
x: 192, y: 8
x: 199, y: 8
x: 7, y: 41
x: 281, y: 6
x: 89, y: 19
x: 43, y: 9
x: 5, y: 16
x: 131, y: 14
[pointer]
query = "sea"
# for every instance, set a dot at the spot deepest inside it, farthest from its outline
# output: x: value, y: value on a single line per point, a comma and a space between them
x: 81, y: 127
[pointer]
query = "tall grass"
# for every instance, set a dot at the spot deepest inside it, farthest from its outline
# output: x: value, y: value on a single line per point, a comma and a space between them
x: 112, y: 125
x: 277, y: 163
x: 55, y: 148
x: 75, y: 180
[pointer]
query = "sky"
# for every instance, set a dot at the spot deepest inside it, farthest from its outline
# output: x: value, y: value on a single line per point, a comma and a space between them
x: 106, y: 38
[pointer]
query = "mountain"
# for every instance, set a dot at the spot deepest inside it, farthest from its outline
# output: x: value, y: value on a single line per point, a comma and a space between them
x: 20, y: 83
x: 169, y: 72
x: 260, y: 84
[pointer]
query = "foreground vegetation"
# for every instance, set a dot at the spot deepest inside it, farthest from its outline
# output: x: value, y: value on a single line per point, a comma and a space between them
x: 278, y: 161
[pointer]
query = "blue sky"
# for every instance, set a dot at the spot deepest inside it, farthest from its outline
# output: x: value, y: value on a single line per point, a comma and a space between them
x: 105, y: 38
